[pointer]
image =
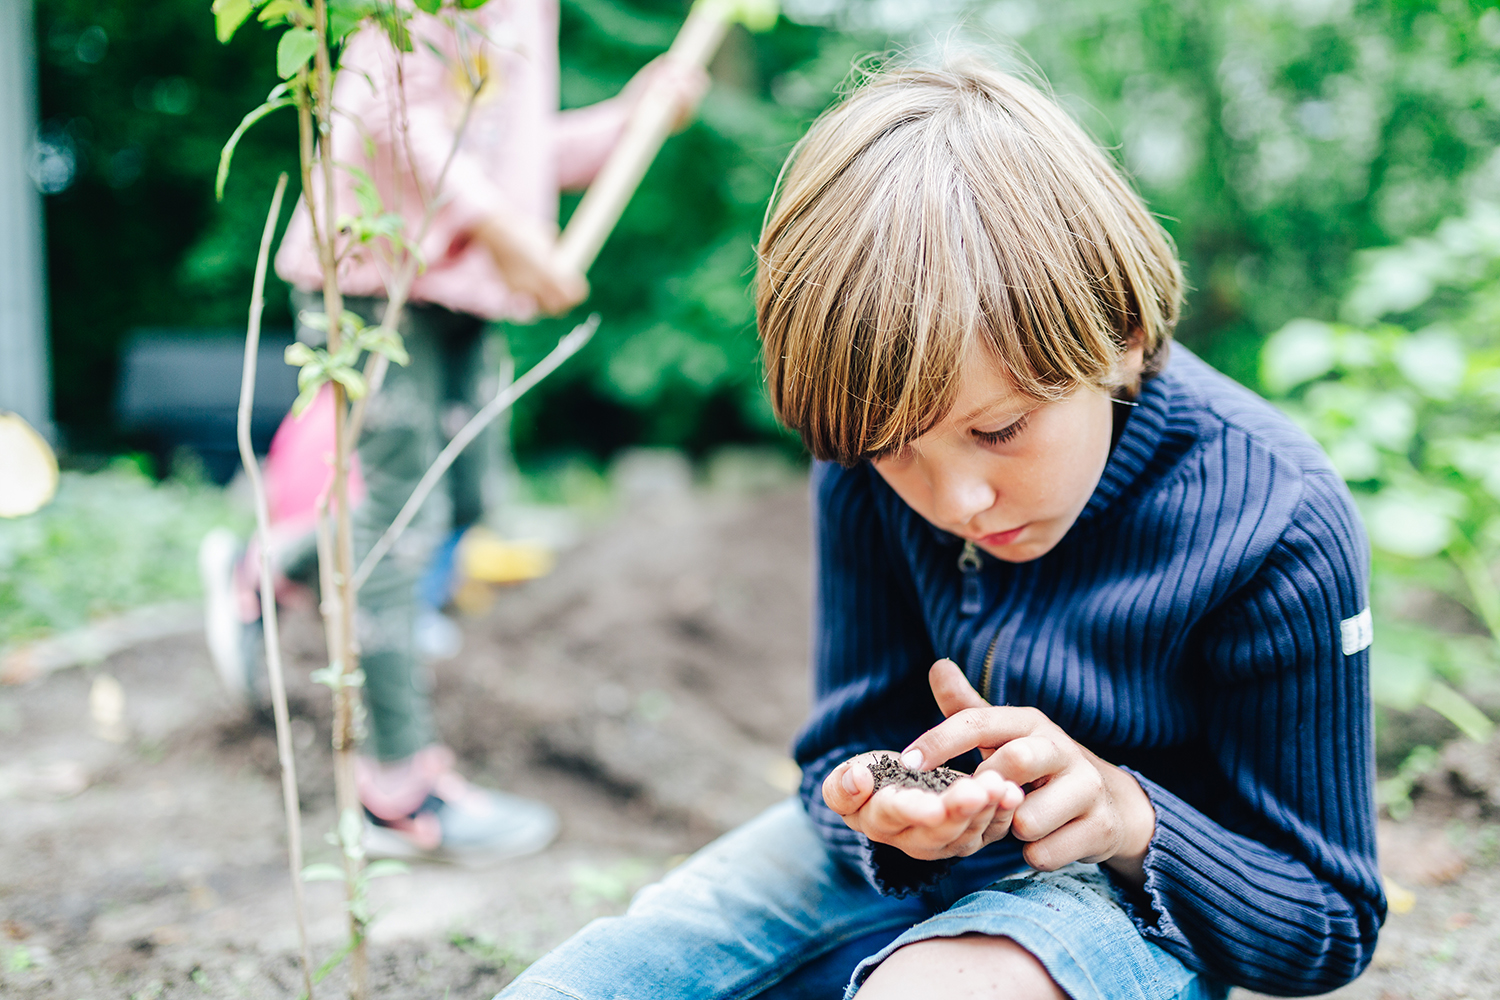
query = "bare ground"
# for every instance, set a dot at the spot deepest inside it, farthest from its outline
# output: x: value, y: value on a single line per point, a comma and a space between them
x: 648, y: 689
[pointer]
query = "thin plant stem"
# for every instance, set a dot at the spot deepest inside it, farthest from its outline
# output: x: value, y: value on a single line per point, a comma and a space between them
x: 338, y: 614
x: 504, y: 399
x: 269, y: 621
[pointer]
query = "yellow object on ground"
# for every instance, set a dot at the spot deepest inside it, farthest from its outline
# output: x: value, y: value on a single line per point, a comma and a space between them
x: 28, y: 469
x: 485, y: 556
x: 1398, y: 898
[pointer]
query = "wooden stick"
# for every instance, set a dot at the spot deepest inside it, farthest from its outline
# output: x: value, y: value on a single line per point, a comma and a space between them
x: 648, y: 127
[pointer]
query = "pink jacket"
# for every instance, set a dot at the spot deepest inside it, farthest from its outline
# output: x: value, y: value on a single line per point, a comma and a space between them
x: 517, y: 150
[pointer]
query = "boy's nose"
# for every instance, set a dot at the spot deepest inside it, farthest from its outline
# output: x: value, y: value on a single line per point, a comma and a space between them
x: 960, y: 496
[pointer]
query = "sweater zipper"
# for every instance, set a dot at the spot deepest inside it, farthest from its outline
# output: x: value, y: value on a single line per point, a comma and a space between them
x: 972, y: 595
x: 987, y: 671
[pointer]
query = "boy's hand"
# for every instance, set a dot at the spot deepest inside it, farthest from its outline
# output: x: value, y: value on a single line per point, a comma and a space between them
x: 1077, y: 806
x: 970, y: 813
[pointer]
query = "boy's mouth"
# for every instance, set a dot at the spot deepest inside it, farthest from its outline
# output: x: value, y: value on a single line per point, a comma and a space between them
x: 1001, y: 538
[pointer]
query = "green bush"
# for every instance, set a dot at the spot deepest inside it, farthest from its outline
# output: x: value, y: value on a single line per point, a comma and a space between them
x: 1404, y: 393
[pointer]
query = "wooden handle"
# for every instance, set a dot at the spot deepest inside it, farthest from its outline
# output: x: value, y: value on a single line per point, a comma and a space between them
x: 645, y: 131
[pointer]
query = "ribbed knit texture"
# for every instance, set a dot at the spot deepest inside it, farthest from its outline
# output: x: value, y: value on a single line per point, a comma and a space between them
x: 1188, y: 628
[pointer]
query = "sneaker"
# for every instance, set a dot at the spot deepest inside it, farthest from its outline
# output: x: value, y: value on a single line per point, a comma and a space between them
x: 422, y: 809
x: 234, y: 645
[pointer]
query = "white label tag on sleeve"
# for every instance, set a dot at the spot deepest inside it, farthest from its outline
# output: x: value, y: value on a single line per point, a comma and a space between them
x: 1357, y: 632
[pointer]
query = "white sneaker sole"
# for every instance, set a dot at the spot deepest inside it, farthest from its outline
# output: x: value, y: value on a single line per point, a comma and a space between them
x: 217, y: 554
x: 382, y: 842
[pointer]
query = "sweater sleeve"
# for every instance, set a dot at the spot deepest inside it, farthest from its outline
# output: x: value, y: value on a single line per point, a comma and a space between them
x: 1278, y: 890
x: 871, y: 654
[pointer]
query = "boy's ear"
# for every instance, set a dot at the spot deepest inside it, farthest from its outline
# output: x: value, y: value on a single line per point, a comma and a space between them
x: 1133, y: 361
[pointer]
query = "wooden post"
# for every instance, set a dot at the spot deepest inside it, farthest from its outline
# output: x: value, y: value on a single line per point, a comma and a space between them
x: 25, y: 384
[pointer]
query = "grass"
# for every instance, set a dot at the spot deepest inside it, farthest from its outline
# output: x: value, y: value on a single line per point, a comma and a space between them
x: 111, y: 540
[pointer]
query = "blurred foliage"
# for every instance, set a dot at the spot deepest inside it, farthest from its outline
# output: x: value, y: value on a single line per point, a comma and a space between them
x: 1404, y: 394
x: 137, y: 97
x: 1275, y: 137
x: 112, y: 540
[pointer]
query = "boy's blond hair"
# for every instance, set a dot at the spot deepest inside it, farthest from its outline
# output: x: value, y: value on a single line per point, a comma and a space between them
x: 932, y: 209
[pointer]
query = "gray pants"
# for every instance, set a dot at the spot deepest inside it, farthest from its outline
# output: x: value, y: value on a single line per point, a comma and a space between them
x: 419, y: 407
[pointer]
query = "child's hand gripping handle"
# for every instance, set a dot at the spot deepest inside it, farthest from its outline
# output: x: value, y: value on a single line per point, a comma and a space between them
x: 648, y: 127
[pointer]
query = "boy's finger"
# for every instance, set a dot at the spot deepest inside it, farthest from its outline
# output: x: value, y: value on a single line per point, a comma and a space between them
x: 1027, y: 759
x: 1007, y: 795
x: 848, y: 787
x: 969, y: 729
x: 1075, y: 841
x: 952, y: 689
x: 965, y: 797
x: 900, y: 809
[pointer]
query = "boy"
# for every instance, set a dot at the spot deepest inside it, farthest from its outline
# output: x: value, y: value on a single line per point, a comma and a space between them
x: 1143, y: 588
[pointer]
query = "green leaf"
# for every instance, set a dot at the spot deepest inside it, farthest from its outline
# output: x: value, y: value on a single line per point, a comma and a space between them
x: 393, y: 20
x: 226, y: 155
x: 299, y: 355
x: 1415, y: 525
x: 385, y: 867
x: 305, y: 399
x: 348, y: 377
x: 430, y: 6
x: 365, y: 191
x: 1460, y: 711
x: 229, y: 15
x: 296, y: 47
x: 323, y: 871
x: 1299, y: 352
x: 1434, y: 361
x: 344, y: 16
x: 278, y: 11
x: 379, y: 340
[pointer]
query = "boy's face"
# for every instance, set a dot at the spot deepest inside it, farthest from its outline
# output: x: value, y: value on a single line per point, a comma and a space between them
x: 1004, y: 471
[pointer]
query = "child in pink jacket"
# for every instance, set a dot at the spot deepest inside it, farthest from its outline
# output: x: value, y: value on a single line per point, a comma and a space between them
x: 486, y: 239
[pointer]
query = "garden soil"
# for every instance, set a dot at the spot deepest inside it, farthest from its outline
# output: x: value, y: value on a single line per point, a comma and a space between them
x: 648, y: 688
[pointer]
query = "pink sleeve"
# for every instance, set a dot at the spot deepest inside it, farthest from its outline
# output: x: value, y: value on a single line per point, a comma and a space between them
x: 585, y: 138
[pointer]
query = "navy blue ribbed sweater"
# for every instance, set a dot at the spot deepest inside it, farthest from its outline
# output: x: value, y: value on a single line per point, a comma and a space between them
x: 1190, y: 627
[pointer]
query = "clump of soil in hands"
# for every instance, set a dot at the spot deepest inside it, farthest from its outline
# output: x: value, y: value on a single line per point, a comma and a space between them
x: 888, y: 770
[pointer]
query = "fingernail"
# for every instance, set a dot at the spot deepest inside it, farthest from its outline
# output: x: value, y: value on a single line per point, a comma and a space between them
x: 850, y: 785
x: 912, y: 759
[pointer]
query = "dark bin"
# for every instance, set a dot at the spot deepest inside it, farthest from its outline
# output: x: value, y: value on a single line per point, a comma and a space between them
x: 181, y: 388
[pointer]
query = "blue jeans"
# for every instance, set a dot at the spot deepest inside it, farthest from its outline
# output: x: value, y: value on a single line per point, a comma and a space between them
x: 765, y: 911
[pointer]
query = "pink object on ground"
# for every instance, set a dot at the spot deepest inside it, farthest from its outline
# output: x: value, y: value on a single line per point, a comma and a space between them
x: 299, y: 466
x: 517, y: 150
x: 297, y: 473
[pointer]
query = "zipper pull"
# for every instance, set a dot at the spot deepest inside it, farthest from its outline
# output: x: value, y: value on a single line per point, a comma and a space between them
x: 969, y: 564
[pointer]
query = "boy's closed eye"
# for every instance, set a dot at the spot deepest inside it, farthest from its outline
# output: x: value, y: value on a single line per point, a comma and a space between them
x: 1002, y: 435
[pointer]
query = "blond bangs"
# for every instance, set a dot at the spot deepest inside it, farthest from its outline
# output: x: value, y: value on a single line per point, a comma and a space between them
x: 932, y: 209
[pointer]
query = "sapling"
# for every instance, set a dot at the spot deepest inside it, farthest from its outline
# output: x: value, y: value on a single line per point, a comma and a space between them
x: 306, y: 61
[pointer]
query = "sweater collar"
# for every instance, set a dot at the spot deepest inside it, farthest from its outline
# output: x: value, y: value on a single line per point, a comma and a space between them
x: 1143, y: 444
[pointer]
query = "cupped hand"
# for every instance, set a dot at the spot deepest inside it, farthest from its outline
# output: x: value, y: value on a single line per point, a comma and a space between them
x: 925, y: 825
x: 1078, y: 807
